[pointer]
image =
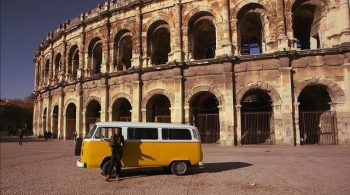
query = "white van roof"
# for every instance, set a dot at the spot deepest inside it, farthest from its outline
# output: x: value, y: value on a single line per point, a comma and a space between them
x: 143, y: 124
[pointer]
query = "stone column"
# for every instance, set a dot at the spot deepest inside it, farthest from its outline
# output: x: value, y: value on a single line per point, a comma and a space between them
x: 104, y: 92
x: 185, y: 44
x: 61, y: 112
x: 81, y: 68
x: 176, y: 45
x: 83, y: 116
x: 282, y: 35
x: 105, y: 50
x: 51, y: 67
x: 63, y: 65
x: 296, y: 123
x: 226, y: 42
x: 63, y: 137
x: 138, y: 56
x: 187, y: 112
x: 137, y: 98
x: 176, y: 111
x: 239, y: 124
x: 287, y: 131
x: 49, y: 112
x: 226, y: 107
x: 234, y: 39
x: 345, y: 21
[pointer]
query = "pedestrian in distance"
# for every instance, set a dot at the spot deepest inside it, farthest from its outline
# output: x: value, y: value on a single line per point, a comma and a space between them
x: 116, y: 143
x: 75, y: 136
x: 49, y: 135
x: 20, y: 136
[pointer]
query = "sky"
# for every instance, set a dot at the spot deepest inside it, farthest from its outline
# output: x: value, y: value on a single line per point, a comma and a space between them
x: 24, y: 24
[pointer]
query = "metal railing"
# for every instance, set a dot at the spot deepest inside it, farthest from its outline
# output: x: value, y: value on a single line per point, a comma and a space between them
x: 256, y: 128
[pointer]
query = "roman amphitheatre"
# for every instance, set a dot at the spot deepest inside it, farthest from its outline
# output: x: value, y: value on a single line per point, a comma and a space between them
x: 243, y: 72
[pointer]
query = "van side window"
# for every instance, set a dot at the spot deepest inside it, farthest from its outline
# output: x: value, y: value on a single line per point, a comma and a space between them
x: 176, y: 134
x: 103, y: 132
x: 142, y: 133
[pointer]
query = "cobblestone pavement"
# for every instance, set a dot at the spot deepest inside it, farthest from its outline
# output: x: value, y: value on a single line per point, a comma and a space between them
x: 40, y: 167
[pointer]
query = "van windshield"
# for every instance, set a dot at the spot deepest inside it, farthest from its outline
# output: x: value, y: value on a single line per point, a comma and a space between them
x: 91, y: 132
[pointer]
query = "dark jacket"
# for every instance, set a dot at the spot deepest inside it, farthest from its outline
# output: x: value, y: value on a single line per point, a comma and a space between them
x: 115, y: 143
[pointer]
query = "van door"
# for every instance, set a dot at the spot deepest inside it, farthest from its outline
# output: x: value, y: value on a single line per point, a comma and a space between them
x: 99, y: 147
x: 142, y: 147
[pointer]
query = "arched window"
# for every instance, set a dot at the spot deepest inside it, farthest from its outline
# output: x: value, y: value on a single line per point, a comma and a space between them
x: 95, y: 56
x: 158, y: 39
x: 123, y: 50
x: 305, y: 25
x: 73, y: 62
x: 202, y: 36
x: 250, y: 25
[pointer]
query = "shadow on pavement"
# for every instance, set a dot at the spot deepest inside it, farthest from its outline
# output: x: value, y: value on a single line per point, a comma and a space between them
x: 224, y: 166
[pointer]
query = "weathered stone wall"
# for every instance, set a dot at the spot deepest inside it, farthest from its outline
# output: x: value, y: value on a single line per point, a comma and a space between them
x: 281, y: 68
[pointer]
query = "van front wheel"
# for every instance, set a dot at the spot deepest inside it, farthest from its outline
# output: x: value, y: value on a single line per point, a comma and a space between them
x: 179, y: 168
x: 105, y: 168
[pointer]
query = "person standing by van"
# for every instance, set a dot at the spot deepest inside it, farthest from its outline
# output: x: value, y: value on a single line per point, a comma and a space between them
x: 116, y: 143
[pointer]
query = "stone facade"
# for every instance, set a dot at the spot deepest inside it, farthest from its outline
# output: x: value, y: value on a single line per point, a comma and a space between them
x: 234, y: 69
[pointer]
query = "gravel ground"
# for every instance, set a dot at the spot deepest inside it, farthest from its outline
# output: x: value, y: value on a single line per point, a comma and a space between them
x: 40, y: 167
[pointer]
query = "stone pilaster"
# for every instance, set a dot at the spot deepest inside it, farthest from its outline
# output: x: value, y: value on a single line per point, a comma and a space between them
x: 287, y: 131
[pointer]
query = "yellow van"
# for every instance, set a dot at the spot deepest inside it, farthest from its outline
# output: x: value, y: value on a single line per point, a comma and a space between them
x: 174, y: 147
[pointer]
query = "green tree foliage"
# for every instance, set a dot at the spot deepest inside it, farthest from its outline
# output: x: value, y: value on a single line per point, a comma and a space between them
x: 19, y: 112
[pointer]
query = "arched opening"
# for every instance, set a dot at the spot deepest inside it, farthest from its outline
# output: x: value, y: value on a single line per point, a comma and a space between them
x: 317, y: 123
x: 93, y: 114
x: 304, y: 26
x: 205, y: 116
x: 46, y: 71
x: 73, y: 62
x: 121, y: 110
x: 38, y: 74
x: 202, y: 36
x: 256, y: 118
x: 70, y: 121
x: 158, y: 109
x: 250, y: 29
x: 55, y: 122
x: 159, y: 42
x: 123, y: 50
x: 57, y: 67
x: 95, y: 56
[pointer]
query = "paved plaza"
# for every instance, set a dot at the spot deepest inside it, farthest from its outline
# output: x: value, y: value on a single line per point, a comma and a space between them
x: 40, y: 167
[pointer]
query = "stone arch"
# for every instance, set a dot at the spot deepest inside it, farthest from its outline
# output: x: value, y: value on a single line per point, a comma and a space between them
x: 334, y: 90
x: 209, y: 88
x: 117, y: 96
x: 128, y: 25
x: 160, y: 17
x: 319, y: 4
x: 89, y: 99
x: 153, y: 92
x: 271, y: 91
x: 266, y: 4
x: 218, y: 18
x: 71, y: 100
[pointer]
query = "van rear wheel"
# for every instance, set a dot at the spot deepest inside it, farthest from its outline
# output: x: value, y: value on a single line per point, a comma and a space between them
x: 179, y: 168
x: 105, y: 168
